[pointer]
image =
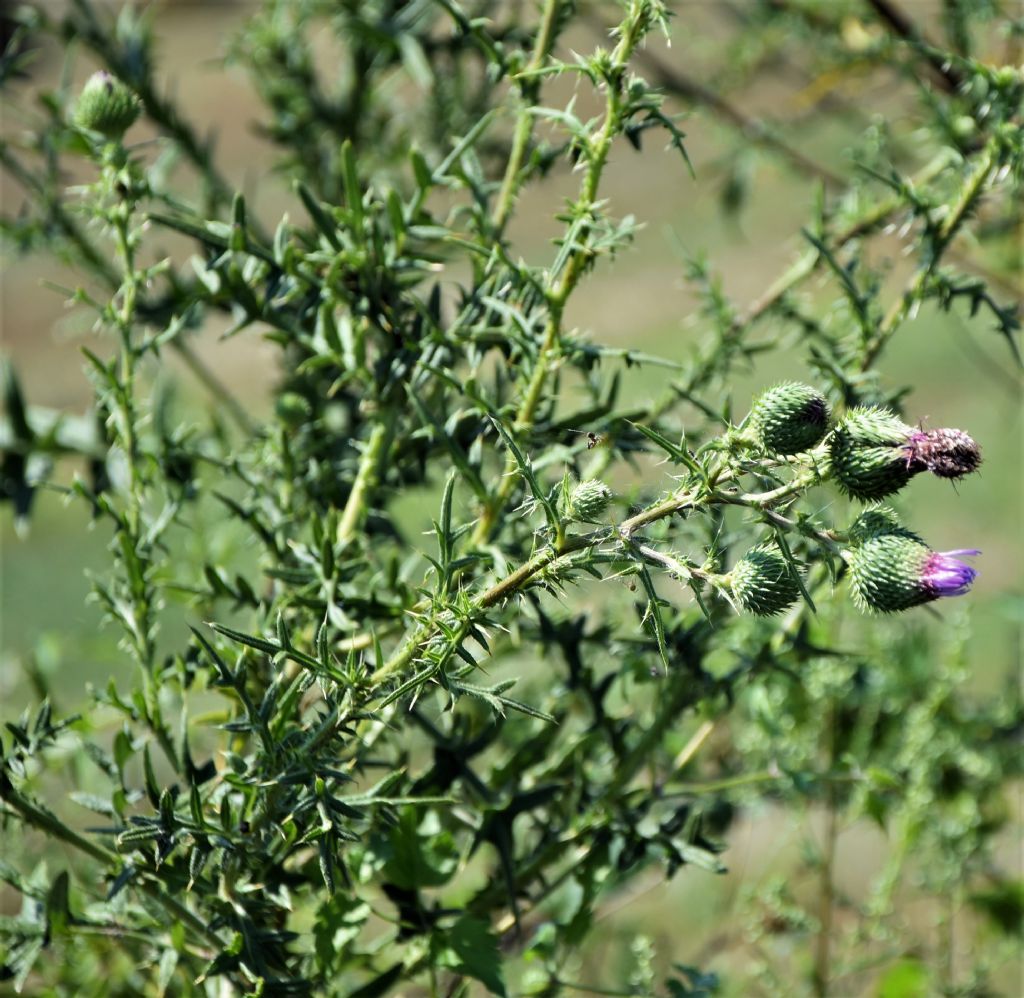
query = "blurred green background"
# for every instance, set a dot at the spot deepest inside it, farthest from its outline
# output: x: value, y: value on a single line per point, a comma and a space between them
x: 962, y: 375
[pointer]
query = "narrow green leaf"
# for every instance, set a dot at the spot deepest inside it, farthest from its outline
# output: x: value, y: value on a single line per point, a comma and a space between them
x: 260, y: 644
x: 326, y: 225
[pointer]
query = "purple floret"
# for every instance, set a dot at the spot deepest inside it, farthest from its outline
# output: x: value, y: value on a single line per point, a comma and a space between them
x: 945, y: 575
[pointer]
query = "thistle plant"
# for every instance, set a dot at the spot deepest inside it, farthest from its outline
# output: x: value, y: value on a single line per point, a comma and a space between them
x: 479, y: 660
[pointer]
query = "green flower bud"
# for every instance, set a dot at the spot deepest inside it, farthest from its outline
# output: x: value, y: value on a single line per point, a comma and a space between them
x: 868, y: 460
x: 106, y: 105
x: 790, y: 418
x: 292, y: 408
x: 588, y: 501
x: 876, y: 520
x: 763, y: 583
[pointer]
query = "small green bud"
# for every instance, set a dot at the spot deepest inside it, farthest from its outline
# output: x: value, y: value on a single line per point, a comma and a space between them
x: 964, y: 126
x: 790, y: 418
x: 292, y: 408
x: 874, y: 521
x: 588, y: 501
x: 763, y: 582
x: 1007, y: 76
x: 106, y: 105
x: 868, y: 459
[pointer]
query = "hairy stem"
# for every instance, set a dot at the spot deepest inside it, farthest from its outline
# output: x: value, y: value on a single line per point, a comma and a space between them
x: 821, y: 974
x: 958, y: 212
x: 524, y: 123
x: 366, y: 480
x: 564, y: 283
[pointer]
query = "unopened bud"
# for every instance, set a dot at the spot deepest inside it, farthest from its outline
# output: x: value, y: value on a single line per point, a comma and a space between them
x: 867, y: 456
x: 763, y: 582
x: 106, y: 105
x: 293, y: 408
x: 588, y: 500
x: 790, y: 418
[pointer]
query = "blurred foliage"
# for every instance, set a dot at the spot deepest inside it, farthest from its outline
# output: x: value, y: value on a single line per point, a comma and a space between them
x: 477, y: 667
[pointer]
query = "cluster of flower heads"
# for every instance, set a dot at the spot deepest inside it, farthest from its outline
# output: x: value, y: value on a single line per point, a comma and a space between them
x: 870, y: 453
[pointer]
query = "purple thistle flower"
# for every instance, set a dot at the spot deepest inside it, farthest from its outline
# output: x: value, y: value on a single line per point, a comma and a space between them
x: 944, y: 574
x: 892, y: 569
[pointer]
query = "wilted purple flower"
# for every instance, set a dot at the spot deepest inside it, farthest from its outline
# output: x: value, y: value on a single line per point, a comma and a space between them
x: 945, y: 575
x: 874, y: 453
x: 947, y: 453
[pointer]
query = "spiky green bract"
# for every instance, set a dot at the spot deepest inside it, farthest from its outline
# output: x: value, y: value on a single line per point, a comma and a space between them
x: 588, y: 500
x: 790, y: 418
x: 763, y: 582
x: 106, y: 105
x: 867, y: 455
x: 876, y: 520
x: 886, y: 572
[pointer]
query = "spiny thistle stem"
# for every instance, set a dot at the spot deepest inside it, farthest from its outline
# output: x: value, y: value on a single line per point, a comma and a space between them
x: 366, y: 479
x: 958, y: 211
x: 563, y: 284
x: 525, y: 120
x: 518, y: 578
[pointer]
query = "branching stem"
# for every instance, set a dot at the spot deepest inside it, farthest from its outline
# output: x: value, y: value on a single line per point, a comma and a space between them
x: 573, y: 543
x: 958, y: 211
x: 564, y: 283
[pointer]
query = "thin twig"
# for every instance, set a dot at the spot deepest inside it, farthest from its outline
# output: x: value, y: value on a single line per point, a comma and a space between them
x: 947, y: 76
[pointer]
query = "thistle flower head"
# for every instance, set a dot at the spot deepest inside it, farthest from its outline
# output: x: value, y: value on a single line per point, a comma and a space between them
x: 874, y: 453
x: 893, y: 569
x: 763, y: 582
x: 947, y: 453
x: 866, y: 453
x: 790, y: 418
x: 106, y: 105
x: 588, y: 500
x: 946, y: 575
